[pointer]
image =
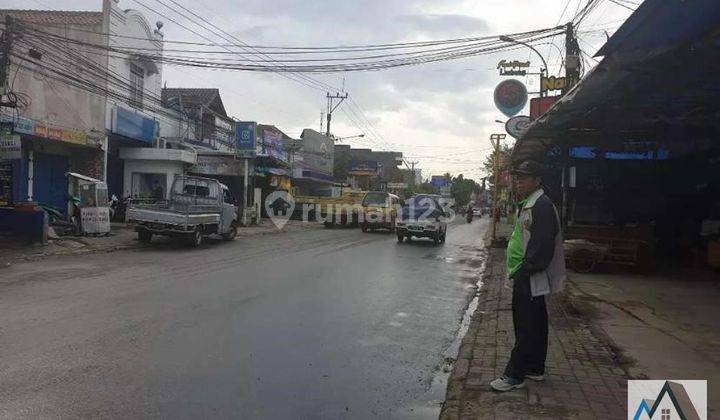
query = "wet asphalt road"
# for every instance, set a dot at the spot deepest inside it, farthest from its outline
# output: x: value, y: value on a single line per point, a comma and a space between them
x: 315, y: 324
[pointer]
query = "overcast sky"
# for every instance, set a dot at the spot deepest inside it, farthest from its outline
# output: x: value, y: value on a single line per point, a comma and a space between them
x: 440, y: 114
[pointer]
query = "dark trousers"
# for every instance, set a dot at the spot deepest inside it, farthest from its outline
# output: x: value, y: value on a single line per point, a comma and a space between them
x: 530, y: 321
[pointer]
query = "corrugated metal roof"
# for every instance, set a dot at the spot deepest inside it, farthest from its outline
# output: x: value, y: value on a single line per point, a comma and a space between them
x: 63, y: 17
x: 192, y: 98
x: 663, y: 23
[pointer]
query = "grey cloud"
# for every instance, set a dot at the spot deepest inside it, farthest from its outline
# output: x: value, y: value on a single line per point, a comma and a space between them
x: 444, y: 25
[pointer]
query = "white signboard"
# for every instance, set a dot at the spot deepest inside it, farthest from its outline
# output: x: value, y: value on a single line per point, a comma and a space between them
x: 10, y: 147
x: 396, y: 185
x: 95, y: 219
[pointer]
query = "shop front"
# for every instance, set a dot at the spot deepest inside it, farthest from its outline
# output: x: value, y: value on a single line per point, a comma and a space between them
x: 127, y: 129
x: 636, y: 153
x: 149, y: 172
x: 35, y: 160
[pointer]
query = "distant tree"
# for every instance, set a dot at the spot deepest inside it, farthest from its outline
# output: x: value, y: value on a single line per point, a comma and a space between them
x: 462, y: 189
x: 489, y: 164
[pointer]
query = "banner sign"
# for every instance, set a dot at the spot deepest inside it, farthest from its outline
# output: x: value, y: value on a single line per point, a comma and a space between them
x: 273, y: 145
x: 513, y: 68
x: 218, y: 165
x: 27, y: 126
x: 518, y: 125
x: 245, y: 138
x: 510, y: 97
x: 10, y: 147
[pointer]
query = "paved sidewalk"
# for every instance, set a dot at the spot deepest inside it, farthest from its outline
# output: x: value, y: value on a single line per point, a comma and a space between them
x: 121, y: 237
x: 583, y: 381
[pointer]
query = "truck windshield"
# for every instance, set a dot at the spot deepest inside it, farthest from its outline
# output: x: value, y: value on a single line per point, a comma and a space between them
x: 196, y: 188
x: 375, y: 199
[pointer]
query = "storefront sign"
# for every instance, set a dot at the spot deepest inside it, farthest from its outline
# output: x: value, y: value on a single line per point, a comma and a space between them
x: 518, y: 125
x: 10, y: 147
x: 438, y: 181
x: 397, y: 185
x: 552, y: 83
x: 363, y: 168
x: 95, y: 219
x: 510, y: 97
x: 133, y: 125
x: 539, y: 106
x: 218, y: 165
x: 513, y: 68
x: 27, y: 126
x: 245, y: 138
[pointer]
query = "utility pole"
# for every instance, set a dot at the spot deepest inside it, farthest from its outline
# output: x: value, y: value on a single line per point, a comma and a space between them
x: 572, y: 58
x: 412, y: 171
x: 495, y: 140
x: 6, y: 39
x: 322, y: 119
x: 331, y: 108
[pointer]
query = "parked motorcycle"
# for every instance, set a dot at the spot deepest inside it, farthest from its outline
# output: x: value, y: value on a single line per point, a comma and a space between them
x: 118, y: 208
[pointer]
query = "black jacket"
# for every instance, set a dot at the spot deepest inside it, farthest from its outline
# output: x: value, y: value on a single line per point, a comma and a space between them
x: 541, y: 247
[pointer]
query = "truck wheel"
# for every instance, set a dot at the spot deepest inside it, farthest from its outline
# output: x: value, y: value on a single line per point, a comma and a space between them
x: 196, y: 238
x: 232, y: 233
x: 145, y: 236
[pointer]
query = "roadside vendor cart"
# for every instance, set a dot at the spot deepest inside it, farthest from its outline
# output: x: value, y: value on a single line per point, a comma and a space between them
x: 89, y: 203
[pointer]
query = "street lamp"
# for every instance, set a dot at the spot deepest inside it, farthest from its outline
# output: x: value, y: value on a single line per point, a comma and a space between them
x: 544, y: 70
x: 349, y: 137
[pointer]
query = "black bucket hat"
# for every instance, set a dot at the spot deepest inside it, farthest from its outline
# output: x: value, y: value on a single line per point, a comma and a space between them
x: 529, y: 167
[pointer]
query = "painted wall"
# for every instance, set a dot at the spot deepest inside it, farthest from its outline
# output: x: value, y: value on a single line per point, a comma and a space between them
x: 51, y: 102
x: 169, y: 168
x: 131, y: 24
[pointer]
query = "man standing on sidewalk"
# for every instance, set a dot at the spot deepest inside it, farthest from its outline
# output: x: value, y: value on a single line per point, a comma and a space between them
x: 536, y: 266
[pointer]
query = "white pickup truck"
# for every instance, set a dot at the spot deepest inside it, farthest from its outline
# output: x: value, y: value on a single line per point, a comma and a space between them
x: 197, y: 207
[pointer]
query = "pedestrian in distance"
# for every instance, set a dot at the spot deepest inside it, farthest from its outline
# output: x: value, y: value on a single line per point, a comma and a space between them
x: 536, y: 267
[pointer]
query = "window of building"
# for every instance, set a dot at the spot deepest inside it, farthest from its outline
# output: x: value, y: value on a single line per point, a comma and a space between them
x: 665, y: 414
x: 137, y: 82
x: 148, y: 186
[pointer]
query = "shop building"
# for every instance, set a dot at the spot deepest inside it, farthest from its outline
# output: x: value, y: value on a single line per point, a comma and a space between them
x: 134, y: 105
x: 367, y: 169
x: 635, y: 145
x: 212, y: 128
x: 272, y: 162
x: 54, y: 127
x: 311, y: 159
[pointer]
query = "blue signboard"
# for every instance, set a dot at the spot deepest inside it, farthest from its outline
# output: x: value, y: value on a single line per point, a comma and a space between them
x: 245, y: 136
x: 132, y: 124
x: 438, y: 181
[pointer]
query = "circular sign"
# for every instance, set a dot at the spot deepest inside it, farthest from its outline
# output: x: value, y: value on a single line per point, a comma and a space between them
x: 517, y: 126
x: 510, y: 97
